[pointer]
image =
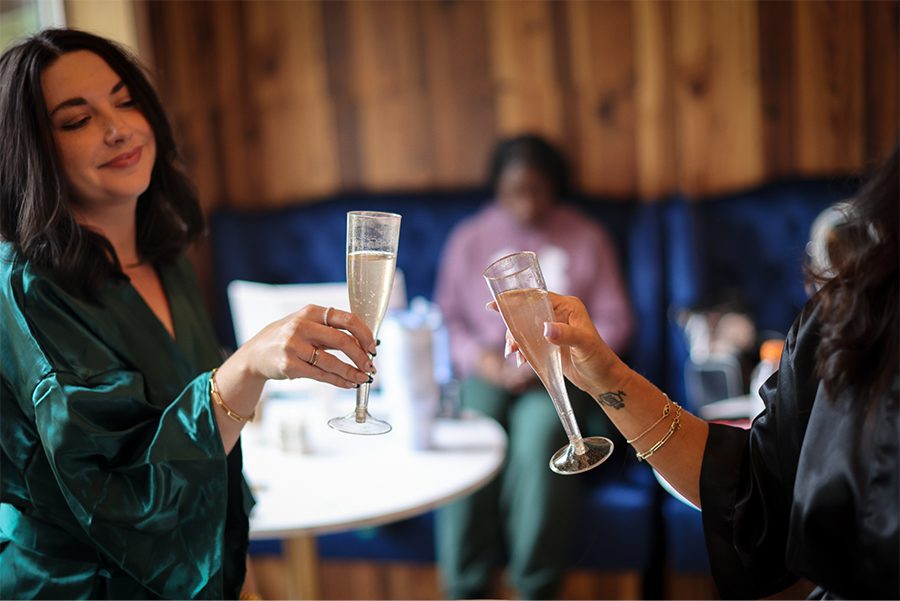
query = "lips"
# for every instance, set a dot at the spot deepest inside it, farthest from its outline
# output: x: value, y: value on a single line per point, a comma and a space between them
x: 125, y: 160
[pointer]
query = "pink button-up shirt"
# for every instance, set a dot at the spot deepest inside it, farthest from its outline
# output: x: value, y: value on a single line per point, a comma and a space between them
x: 576, y: 256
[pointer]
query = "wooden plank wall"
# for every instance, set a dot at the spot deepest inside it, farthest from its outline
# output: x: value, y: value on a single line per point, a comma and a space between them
x: 282, y: 102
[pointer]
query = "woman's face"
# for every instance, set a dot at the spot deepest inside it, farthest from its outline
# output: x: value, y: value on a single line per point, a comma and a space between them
x: 525, y: 192
x: 106, y: 147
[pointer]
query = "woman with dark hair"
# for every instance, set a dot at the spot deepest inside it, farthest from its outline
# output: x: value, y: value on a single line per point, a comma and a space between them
x: 526, y: 511
x: 811, y: 489
x: 121, y: 459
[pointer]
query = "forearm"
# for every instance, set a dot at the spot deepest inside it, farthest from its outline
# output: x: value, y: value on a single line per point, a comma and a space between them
x: 634, y: 405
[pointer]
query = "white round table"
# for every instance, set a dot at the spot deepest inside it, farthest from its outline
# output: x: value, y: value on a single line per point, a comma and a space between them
x: 334, y: 482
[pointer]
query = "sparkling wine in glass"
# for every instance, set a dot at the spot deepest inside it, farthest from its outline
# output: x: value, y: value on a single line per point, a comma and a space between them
x: 372, y: 239
x: 518, y: 286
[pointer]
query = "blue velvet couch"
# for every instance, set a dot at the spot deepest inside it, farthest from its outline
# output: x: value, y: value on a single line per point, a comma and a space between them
x: 674, y: 255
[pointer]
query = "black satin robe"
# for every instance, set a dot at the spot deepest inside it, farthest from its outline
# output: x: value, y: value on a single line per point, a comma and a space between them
x: 811, y: 490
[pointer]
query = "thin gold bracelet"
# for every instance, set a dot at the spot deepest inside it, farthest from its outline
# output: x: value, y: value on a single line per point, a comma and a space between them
x: 217, y: 398
x: 656, y: 423
x: 676, y: 423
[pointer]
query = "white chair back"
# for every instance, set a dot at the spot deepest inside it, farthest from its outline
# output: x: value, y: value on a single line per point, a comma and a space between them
x: 255, y: 305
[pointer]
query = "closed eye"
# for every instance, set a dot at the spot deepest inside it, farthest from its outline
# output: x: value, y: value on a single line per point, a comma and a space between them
x: 75, y: 124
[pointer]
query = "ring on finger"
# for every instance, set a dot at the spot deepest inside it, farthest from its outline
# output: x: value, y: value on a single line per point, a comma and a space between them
x: 314, y: 357
x: 327, y: 311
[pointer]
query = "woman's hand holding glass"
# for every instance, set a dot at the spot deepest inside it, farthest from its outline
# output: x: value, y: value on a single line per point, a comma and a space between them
x: 587, y: 360
x: 295, y: 347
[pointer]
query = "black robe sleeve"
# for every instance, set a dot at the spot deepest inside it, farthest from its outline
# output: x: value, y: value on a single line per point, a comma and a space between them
x: 811, y: 490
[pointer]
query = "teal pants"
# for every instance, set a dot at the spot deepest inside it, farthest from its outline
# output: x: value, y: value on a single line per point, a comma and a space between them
x: 528, y: 511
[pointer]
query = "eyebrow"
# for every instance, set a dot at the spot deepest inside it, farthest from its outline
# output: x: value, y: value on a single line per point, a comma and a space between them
x: 81, y: 101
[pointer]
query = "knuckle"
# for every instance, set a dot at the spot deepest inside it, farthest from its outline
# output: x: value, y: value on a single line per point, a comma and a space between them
x: 300, y: 318
x: 307, y: 310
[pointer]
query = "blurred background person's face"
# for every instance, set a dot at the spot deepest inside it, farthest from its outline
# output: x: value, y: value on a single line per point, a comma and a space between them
x: 525, y: 192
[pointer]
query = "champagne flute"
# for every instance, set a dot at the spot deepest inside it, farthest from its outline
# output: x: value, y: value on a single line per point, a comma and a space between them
x: 517, y: 284
x: 371, y: 261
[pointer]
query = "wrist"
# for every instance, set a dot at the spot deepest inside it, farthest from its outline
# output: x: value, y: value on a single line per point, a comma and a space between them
x: 616, y: 378
x: 238, y: 371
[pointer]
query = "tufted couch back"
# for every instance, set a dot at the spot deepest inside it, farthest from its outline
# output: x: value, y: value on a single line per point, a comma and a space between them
x: 675, y: 254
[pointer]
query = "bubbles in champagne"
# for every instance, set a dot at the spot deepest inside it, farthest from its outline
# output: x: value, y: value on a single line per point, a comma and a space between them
x: 370, y: 276
x: 525, y: 311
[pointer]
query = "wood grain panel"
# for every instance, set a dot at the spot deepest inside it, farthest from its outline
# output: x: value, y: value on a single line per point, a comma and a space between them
x: 340, y: 50
x: 718, y: 96
x: 389, y: 83
x: 190, y: 96
x: 656, y: 158
x: 412, y: 581
x: 281, y: 102
x: 602, y: 75
x: 288, y: 81
x: 828, y: 100
x: 777, y: 80
x: 460, y: 91
x: 882, y: 69
x: 524, y: 69
x: 235, y: 111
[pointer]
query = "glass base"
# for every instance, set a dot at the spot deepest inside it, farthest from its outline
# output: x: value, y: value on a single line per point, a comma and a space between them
x: 597, y: 450
x: 371, y: 425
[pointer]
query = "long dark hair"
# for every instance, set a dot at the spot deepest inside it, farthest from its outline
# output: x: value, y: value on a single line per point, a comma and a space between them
x: 35, y: 200
x: 537, y: 153
x: 859, y: 303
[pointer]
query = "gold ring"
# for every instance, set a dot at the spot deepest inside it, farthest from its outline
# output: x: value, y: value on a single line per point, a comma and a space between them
x: 315, y: 356
x: 327, y: 311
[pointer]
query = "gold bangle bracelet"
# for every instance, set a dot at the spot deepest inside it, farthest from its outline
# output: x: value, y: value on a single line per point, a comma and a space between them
x: 218, y: 400
x: 656, y: 423
x: 676, y: 423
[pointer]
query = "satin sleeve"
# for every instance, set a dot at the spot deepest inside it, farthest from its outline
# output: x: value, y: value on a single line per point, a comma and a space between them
x: 147, y: 484
x: 747, y: 478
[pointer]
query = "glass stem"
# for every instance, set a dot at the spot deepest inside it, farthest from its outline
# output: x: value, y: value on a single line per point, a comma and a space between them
x: 362, y: 401
x: 567, y: 417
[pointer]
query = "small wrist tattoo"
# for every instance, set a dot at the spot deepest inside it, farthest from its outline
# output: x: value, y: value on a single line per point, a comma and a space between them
x: 612, y: 399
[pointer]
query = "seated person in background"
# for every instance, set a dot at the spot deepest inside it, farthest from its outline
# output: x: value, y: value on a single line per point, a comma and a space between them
x: 812, y: 489
x: 528, y: 510
x: 120, y: 449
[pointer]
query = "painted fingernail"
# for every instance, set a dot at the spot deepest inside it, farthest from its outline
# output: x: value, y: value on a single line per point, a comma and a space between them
x: 551, y: 330
x: 520, y: 360
x: 372, y: 369
x: 507, y: 348
x: 378, y: 342
x: 370, y: 380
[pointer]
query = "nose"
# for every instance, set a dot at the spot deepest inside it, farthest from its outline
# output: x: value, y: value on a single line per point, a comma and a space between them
x: 117, y: 130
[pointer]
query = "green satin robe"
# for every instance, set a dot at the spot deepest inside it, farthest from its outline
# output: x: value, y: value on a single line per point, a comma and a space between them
x: 115, y: 483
